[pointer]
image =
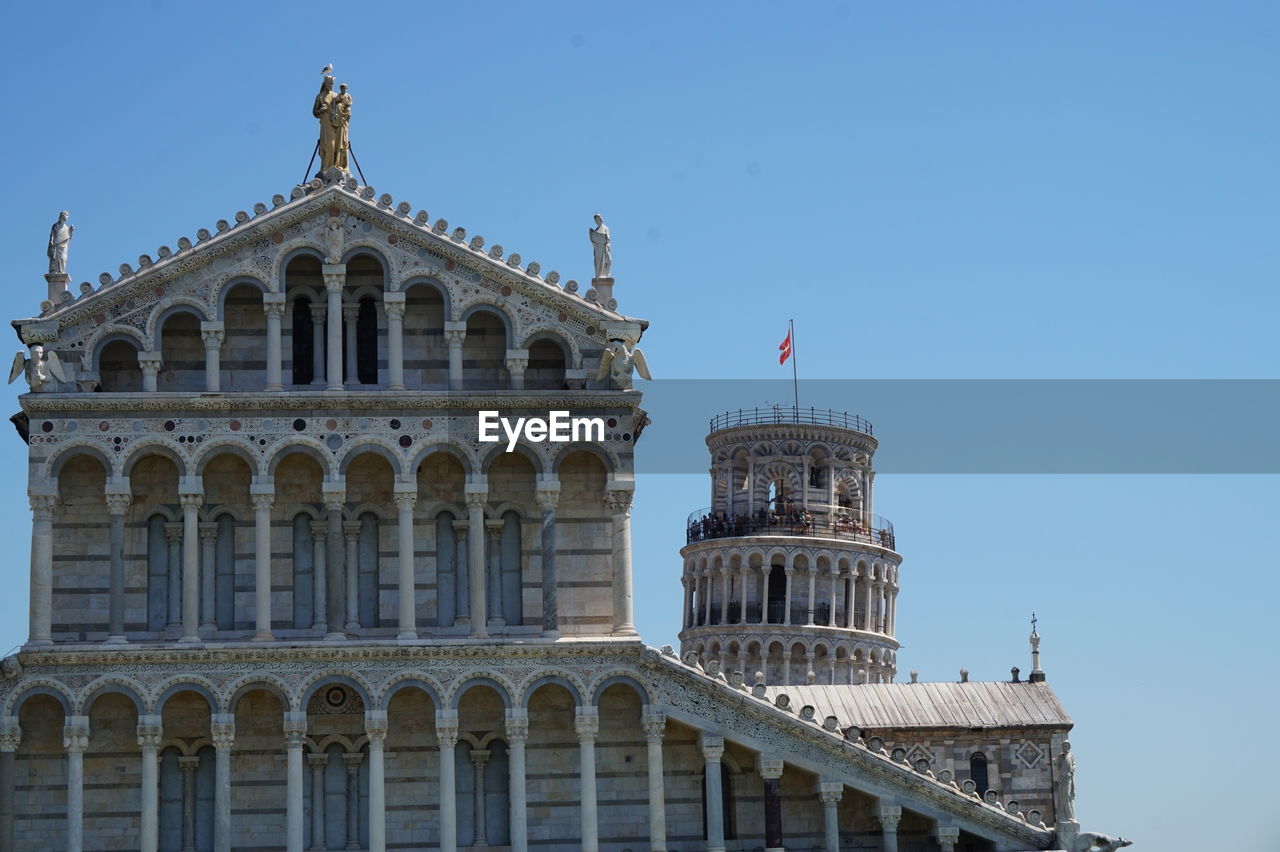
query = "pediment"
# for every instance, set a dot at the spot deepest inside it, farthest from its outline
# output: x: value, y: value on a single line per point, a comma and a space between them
x: 254, y: 248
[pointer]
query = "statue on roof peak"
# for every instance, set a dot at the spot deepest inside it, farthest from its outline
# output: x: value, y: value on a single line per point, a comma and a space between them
x: 59, y: 241
x: 333, y: 109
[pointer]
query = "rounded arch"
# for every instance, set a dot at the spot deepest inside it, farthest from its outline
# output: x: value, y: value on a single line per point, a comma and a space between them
x: 375, y: 445
x: 549, y: 332
x: 606, y: 457
x: 564, y: 679
x: 173, y: 306
x: 411, y: 680
x: 431, y: 283
x: 382, y: 513
x: 108, y: 334
x: 291, y: 250
x: 492, y: 680
x: 108, y: 684
x: 441, y: 445
x: 346, y: 678
x: 186, y: 683
x: 306, y: 446
x: 268, y: 683
x: 220, y: 291
x: 52, y: 688
x: 495, y: 309
x: 500, y: 449
x: 625, y: 678
x: 65, y: 453
x: 153, y: 446
x: 364, y: 248
x: 210, y: 450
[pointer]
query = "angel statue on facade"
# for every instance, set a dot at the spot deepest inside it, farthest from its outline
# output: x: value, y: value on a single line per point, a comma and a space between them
x: 617, y: 362
x: 41, y: 368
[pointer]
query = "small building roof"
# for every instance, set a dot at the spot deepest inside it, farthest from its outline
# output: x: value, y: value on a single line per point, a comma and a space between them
x: 971, y: 704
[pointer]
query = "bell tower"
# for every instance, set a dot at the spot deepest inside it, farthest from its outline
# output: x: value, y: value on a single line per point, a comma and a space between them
x: 788, y: 573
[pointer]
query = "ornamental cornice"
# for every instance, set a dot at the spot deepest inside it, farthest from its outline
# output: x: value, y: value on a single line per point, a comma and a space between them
x: 748, y: 433
x: 391, y: 401
x: 807, y: 634
x: 806, y: 544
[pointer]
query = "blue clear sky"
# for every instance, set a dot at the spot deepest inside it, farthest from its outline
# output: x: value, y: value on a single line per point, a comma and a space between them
x: 996, y: 190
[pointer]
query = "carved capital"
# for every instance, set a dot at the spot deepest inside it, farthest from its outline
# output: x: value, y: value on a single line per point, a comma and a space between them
x: 454, y: 337
x: 548, y: 500
x: 353, y: 759
x: 213, y: 339
x: 947, y: 834
x: 149, y: 734
x: 393, y: 310
x: 350, y: 313
x: 173, y: 532
x: 712, y: 747
x: 295, y: 731
x: 273, y: 310
x: 223, y: 735
x: 654, y: 725
x: 479, y: 757
x: 517, y: 731
x: 191, y: 500
x: 75, y: 733
x: 208, y: 533
x: 351, y: 530
x: 830, y: 792
x: 42, y: 506
x: 587, y: 725
x: 317, y: 313
x: 376, y: 729
x: 118, y: 504
x: 770, y: 767
x: 618, y: 501
x: 477, y: 501
x: 318, y: 759
x: 446, y: 732
x: 319, y: 530
x: 889, y: 816
x: 188, y: 763
x: 10, y: 734
x: 405, y: 501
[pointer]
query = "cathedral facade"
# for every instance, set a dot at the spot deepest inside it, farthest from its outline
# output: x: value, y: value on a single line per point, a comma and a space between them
x: 284, y: 595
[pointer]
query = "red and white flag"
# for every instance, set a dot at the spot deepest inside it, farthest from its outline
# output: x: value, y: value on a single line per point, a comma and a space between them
x: 785, y: 348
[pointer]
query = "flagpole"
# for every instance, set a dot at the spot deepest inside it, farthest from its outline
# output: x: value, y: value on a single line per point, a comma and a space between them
x: 795, y: 382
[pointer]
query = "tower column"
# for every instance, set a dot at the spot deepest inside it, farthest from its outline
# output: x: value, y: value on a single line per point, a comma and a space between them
x: 191, y: 496
x: 375, y: 726
x: 406, y: 496
x: 208, y: 578
x: 352, y: 761
x: 295, y: 731
x: 447, y: 737
x: 212, y: 334
x: 851, y: 599
x: 712, y: 751
x: 317, y: 344
x: 149, y: 363
x: 830, y: 792
x: 704, y: 583
x: 173, y: 536
x: 496, y: 620
x: 264, y: 496
x: 188, y: 764
x: 548, y: 496
x: 866, y: 591
x: 477, y: 494
x: 517, y: 362
x: 118, y: 500
x: 726, y: 592
x: 744, y: 575
x: 831, y: 605
x: 149, y: 734
x: 351, y: 533
x: 771, y: 771
x: 393, y: 307
x: 335, y: 498
x: 318, y: 763
x: 786, y: 611
x: 948, y: 836
x: 813, y: 588
x: 319, y: 534
x: 655, y: 724
x: 462, y: 575
x: 587, y: 725
x: 454, y: 332
x: 685, y: 581
x: 479, y: 759
x: 619, y: 499
x: 351, y: 313
x: 273, y: 306
x: 889, y: 815
x: 75, y: 739
x: 335, y: 278
x: 517, y: 729
x: 223, y: 730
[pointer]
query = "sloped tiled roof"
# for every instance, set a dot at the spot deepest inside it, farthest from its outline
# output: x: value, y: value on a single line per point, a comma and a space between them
x: 931, y: 705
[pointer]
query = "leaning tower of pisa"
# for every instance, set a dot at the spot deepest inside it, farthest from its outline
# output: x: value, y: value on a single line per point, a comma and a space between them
x: 788, y: 573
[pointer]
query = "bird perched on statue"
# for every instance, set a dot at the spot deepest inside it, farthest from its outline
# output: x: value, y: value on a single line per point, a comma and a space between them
x: 326, y: 69
x: 39, y: 367
x: 617, y: 362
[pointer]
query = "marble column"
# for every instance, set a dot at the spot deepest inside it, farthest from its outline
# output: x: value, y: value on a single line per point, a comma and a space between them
x: 118, y: 500
x: 477, y: 493
x: 273, y: 306
x: 587, y: 725
x: 335, y: 278
x: 548, y: 496
x: 786, y: 606
x: 317, y: 344
x: 10, y: 738
x: 375, y: 727
x: 830, y: 792
x: 892, y: 620
x: 517, y: 363
x: 496, y: 620
x: 706, y: 581
x: 454, y: 332
x: 687, y: 582
x: 351, y: 532
x: 461, y: 576
x: 726, y: 591
x: 351, y: 313
x: 318, y: 763
x: 212, y: 334
x: 223, y: 734
x: 295, y: 732
x: 173, y: 536
x: 654, y: 725
x: 447, y: 737
x: 743, y: 577
x: 948, y: 836
x: 264, y: 497
x: 479, y: 759
x: 866, y: 606
x: 406, y: 496
x: 352, y: 761
x: 75, y: 739
x: 393, y: 308
x: 188, y: 764
x: 208, y: 578
x: 150, y: 364
x: 335, y: 496
x: 771, y: 771
x: 889, y: 816
x: 149, y: 735
x: 319, y: 532
x: 191, y: 501
x: 619, y: 501
x: 517, y: 732
x: 813, y: 589
x: 879, y: 602
x: 831, y: 611
x: 851, y: 600
x: 712, y: 751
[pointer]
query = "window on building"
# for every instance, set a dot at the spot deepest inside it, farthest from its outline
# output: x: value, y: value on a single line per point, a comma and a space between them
x: 368, y: 571
x: 303, y: 343
x: 367, y: 342
x: 224, y: 559
x: 303, y: 572
x: 512, y: 603
x: 157, y: 574
x: 446, y: 591
x: 978, y: 772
